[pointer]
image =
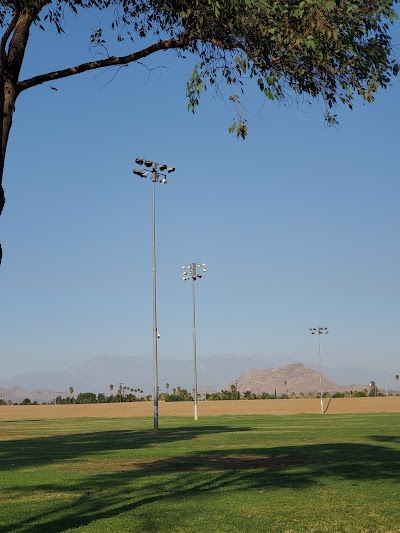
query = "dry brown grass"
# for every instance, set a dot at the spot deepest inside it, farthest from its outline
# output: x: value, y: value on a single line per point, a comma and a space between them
x: 237, y: 407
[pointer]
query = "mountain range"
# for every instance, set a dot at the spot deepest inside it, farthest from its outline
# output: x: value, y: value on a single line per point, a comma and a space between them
x: 213, y: 373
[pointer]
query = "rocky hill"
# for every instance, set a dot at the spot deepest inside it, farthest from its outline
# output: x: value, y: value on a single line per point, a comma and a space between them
x: 287, y: 379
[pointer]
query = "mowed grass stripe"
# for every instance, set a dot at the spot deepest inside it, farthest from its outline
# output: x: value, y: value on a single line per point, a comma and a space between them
x: 295, y: 473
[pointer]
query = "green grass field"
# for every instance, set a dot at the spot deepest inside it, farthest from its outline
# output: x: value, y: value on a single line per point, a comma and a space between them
x: 300, y: 473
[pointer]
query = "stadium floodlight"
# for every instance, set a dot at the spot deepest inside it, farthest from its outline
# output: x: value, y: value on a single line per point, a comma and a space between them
x: 191, y: 272
x: 141, y: 172
x: 156, y: 176
x: 319, y: 331
x: 170, y: 169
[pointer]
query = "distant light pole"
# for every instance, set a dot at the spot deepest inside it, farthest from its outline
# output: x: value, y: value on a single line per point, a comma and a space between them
x: 194, y: 271
x: 57, y: 393
x: 157, y: 176
x: 319, y: 331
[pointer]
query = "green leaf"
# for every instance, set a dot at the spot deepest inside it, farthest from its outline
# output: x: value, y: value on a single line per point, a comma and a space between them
x: 268, y: 93
x: 310, y: 43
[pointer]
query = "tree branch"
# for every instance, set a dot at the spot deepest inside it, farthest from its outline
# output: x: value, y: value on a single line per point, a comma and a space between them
x: 6, y: 36
x: 110, y: 61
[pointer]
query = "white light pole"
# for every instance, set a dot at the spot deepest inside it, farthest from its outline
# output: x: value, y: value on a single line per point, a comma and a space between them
x: 194, y: 271
x: 57, y: 393
x: 157, y: 176
x: 319, y: 331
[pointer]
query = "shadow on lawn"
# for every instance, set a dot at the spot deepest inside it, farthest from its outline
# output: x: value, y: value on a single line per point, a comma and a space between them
x: 385, y: 438
x: 40, y: 451
x: 117, y: 486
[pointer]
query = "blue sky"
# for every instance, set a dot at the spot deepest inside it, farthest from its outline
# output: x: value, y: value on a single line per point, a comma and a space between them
x: 299, y: 225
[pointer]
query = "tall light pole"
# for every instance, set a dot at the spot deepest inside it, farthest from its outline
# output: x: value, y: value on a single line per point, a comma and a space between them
x: 319, y: 331
x: 194, y: 271
x: 157, y: 172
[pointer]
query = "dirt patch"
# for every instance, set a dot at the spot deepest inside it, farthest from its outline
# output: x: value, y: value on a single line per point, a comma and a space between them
x: 232, y: 462
x: 205, y: 408
x: 191, y: 463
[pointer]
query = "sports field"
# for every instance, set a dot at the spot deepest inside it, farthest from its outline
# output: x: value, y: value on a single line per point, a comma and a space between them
x: 390, y: 404
x: 93, y: 471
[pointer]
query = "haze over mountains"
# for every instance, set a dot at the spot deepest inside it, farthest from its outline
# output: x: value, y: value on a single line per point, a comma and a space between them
x: 291, y: 378
x: 214, y: 373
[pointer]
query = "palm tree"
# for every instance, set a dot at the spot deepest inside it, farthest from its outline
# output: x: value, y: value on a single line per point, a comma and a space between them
x: 111, y: 387
x: 397, y: 379
x: 71, y: 390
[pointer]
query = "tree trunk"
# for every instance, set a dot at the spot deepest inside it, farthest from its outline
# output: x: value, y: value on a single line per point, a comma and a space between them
x: 2, y: 199
x: 13, y: 46
x: 7, y: 99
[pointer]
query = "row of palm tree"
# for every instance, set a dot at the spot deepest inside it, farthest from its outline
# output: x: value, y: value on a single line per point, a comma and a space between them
x: 179, y: 394
x: 123, y: 390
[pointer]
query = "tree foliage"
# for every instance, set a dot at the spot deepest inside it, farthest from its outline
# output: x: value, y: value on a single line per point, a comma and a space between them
x: 327, y: 49
x: 86, y: 397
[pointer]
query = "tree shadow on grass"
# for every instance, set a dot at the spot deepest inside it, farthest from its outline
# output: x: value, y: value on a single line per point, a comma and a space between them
x: 385, y: 438
x: 40, y: 451
x: 123, y: 486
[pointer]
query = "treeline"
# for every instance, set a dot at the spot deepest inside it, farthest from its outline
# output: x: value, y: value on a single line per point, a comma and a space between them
x: 123, y: 394
x: 183, y: 395
x: 249, y: 395
x: 91, y: 397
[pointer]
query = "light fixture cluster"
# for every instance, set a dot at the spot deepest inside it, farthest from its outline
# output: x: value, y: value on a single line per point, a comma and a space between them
x: 193, y: 271
x: 318, y: 330
x: 156, y: 171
